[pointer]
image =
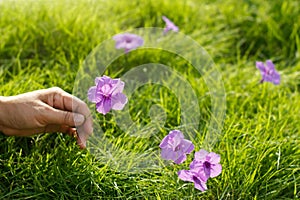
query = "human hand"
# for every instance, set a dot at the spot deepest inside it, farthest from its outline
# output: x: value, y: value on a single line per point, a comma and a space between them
x: 46, y: 110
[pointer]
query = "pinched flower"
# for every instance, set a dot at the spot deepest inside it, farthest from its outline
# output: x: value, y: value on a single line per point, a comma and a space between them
x: 194, y: 177
x: 169, y: 25
x: 128, y: 41
x: 175, y: 147
x: 268, y: 72
x: 107, y: 94
x: 206, y: 164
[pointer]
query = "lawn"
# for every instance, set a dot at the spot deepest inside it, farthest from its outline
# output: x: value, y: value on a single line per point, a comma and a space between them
x: 220, y: 106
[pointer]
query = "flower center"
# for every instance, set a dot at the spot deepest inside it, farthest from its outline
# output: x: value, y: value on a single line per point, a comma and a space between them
x: 269, y: 72
x: 177, y: 148
x: 106, y: 95
x: 106, y: 91
x: 196, y: 180
x: 207, y: 165
x: 128, y: 40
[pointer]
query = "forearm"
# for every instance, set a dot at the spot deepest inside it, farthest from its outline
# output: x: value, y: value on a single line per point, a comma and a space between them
x: 2, y: 112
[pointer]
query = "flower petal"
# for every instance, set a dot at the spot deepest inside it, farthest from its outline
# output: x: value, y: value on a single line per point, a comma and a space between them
x: 203, y: 176
x: 177, y: 138
x: 104, y: 106
x: 169, y: 25
x: 206, y: 173
x: 118, y: 101
x: 195, y: 165
x: 187, y: 146
x: 260, y: 66
x: 97, y: 80
x: 120, y: 45
x: 164, y: 142
x: 270, y: 65
x: 276, y: 78
x: 105, y: 80
x: 176, y: 133
x: 215, y: 170
x: 185, y: 175
x: 128, y: 41
x: 134, y: 44
x: 200, y: 185
x: 92, y: 94
x: 118, y: 86
x: 181, y: 159
x: 177, y: 147
x: 168, y: 154
x: 201, y: 155
x: 118, y: 37
x: 166, y: 19
x: 214, y: 158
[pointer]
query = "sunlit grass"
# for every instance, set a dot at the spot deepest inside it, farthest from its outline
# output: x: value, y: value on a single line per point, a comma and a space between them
x: 43, y: 43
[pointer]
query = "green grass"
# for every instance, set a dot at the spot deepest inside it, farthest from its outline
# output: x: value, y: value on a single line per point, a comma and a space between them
x: 44, y: 43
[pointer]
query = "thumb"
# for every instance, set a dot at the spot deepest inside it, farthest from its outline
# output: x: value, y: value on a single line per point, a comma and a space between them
x: 65, y: 117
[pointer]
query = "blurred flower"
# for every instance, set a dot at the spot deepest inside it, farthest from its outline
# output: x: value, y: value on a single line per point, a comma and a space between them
x: 128, y: 41
x: 206, y: 164
x: 268, y: 72
x: 107, y: 94
x: 175, y: 147
x: 169, y: 25
x: 192, y: 176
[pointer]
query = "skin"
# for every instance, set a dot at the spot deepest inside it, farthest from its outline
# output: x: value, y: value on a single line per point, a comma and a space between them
x: 46, y: 110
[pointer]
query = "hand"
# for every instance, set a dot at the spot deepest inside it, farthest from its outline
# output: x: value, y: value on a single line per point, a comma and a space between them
x: 47, y: 110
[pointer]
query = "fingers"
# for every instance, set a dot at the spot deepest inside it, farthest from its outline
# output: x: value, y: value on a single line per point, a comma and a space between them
x: 68, y: 130
x: 54, y: 116
x: 74, y: 104
x: 22, y: 133
x: 82, y: 134
x: 86, y: 129
x: 48, y: 129
x: 57, y: 98
x: 60, y: 128
x: 70, y: 111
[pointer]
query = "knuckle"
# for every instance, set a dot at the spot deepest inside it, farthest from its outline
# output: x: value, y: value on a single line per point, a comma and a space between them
x: 68, y: 118
x: 56, y: 90
x: 56, y: 97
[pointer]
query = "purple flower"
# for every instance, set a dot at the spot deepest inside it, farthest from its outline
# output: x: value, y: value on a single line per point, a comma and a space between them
x: 206, y: 164
x: 107, y: 94
x: 192, y: 176
x: 175, y: 147
x: 128, y: 41
x: 169, y: 25
x: 268, y: 72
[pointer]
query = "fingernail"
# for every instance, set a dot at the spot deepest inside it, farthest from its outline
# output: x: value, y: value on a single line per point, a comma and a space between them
x: 84, y: 145
x: 81, y: 143
x: 78, y: 119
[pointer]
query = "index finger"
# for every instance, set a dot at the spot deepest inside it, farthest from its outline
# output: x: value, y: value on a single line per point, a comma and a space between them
x: 76, y: 105
x: 62, y: 100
